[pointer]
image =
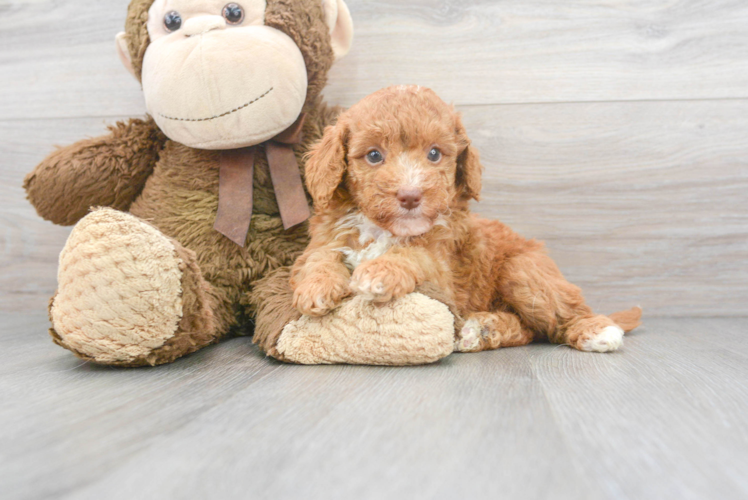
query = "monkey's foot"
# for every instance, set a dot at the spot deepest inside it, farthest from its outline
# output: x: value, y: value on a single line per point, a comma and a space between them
x: 413, y: 330
x: 128, y: 295
x: 416, y: 329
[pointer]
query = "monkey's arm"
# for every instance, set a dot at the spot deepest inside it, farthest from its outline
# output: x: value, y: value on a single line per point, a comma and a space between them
x: 107, y: 171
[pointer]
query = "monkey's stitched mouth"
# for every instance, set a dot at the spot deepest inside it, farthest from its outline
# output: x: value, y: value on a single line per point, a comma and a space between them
x: 218, y: 116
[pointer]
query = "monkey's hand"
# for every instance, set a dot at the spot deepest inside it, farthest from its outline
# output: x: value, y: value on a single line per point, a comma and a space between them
x: 108, y: 171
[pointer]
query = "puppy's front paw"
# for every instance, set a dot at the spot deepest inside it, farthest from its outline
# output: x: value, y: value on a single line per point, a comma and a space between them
x: 317, y: 295
x: 382, y: 281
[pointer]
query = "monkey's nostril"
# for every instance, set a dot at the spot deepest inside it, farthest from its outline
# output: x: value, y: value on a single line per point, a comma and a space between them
x: 409, y: 198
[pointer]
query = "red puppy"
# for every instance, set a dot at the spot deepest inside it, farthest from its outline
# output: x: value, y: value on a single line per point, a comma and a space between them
x: 391, y: 183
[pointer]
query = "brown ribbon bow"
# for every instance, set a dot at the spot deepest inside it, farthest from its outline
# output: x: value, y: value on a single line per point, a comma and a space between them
x: 236, y: 185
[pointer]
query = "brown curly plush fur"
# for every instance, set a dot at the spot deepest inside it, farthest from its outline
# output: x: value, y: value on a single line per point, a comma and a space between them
x: 114, y: 169
x: 136, y: 29
x: 175, y: 189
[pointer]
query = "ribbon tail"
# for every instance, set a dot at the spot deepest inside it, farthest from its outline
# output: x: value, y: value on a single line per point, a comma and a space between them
x: 289, y: 188
x: 235, y: 194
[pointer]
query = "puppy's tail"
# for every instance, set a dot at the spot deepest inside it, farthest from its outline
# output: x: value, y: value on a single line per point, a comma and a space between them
x: 628, y: 320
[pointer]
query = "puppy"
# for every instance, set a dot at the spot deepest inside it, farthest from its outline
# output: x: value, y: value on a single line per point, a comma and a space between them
x: 391, y: 183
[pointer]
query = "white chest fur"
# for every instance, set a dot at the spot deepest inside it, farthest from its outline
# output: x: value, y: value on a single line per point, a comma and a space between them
x: 373, y: 241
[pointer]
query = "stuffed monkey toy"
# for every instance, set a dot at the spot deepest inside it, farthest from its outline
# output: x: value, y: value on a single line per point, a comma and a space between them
x: 186, y: 221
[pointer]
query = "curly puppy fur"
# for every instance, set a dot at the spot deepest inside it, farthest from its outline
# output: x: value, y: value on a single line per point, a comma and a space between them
x: 392, y: 183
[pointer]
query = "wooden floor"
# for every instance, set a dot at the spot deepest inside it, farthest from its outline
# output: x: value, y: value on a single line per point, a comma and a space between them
x: 665, y: 418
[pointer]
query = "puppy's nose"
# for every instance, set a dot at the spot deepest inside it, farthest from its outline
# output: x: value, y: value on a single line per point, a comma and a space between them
x: 410, y: 198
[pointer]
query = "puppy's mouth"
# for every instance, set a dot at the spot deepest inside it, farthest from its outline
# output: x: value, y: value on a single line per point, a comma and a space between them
x: 412, y: 223
x: 416, y: 213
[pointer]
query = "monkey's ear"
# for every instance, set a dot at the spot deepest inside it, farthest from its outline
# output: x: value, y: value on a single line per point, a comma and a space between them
x: 124, y: 53
x: 469, y: 167
x: 326, y: 165
x: 338, y: 19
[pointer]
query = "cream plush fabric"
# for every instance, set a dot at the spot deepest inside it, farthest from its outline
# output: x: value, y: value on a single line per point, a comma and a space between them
x: 215, y: 103
x: 197, y: 93
x: 361, y: 332
x: 120, y: 288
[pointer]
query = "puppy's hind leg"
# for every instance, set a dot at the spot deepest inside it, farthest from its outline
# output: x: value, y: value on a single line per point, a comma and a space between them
x: 533, y: 286
x: 487, y: 331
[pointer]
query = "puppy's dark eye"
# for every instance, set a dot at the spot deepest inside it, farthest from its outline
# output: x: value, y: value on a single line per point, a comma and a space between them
x: 233, y: 13
x: 172, y: 21
x: 374, y: 157
x: 435, y: 155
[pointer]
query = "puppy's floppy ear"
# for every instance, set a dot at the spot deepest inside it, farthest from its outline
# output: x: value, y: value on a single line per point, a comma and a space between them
x: 326, y: 165
x: 469, y: 167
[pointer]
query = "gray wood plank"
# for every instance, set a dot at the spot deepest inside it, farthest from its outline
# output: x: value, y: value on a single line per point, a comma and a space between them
x: 472, y: 52
x: 29, y: 246
x: 641, y: 202
x: 663, y: 418
x: 77, y: 421
x: 653, y: 420
x: 490, y: 52
x: 90, y: 426
x: 362, y: 433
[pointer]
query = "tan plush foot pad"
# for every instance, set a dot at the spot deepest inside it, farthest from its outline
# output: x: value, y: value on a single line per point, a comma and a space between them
x: 414, y: 330
x: 119, y: 294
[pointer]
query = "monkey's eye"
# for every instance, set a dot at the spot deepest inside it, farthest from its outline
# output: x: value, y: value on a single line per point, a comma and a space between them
x: 374, y: 157
x: 435, y: 155
x: 172, y: 21
x: 233, y: 13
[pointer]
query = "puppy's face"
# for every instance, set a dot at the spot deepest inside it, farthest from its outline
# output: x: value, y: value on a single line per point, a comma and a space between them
x: 402, y: 169
x: 401, y: 156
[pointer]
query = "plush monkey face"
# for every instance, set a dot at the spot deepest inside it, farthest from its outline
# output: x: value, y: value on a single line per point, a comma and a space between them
x: 222, y: 75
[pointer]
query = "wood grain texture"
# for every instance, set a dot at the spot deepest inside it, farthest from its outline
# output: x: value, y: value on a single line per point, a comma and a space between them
x: 29, y: 246
x: 641, y: 201
x: 509, y: 51
x: 663, y: 418
x: 471, y: 51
